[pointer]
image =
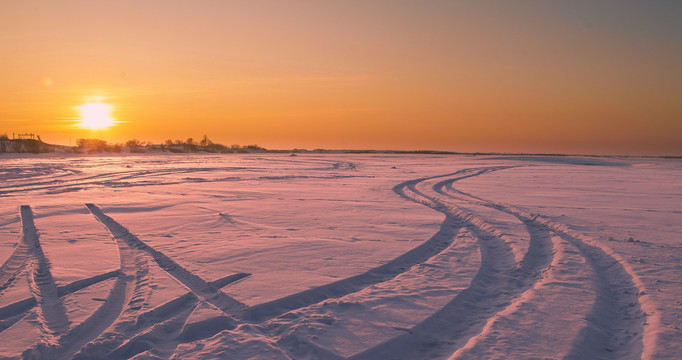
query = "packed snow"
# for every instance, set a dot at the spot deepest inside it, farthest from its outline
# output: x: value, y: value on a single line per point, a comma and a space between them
x: 340, y: 256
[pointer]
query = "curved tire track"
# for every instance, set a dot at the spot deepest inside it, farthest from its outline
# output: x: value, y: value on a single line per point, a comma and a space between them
x: 616, y: 323
x: 437, y: 243
x: 566, y: 278
x: 498, y: 271
x: 498, y: 281
x: 498, y: 267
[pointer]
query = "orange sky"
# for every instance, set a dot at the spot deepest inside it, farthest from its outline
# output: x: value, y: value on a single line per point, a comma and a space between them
x: 600, y: 77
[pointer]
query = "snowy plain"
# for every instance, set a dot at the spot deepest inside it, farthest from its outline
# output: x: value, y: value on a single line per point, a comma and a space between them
x: 336, y: 256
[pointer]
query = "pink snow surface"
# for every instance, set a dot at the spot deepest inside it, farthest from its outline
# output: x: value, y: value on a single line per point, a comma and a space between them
x: 374, y: 256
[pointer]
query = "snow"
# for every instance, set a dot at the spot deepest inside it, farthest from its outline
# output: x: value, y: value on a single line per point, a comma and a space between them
x: 334, y: 256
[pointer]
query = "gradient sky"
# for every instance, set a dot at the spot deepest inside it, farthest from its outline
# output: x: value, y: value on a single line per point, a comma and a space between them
x: 601, y: 77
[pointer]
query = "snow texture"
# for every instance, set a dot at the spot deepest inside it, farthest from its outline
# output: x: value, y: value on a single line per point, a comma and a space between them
x: 363, y: 256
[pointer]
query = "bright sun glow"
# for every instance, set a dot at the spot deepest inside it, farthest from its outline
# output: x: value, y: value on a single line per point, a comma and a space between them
x: 95, y: 115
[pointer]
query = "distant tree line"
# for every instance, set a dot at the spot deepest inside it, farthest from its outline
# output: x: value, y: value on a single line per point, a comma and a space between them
x: 175, y: 146
x: 91, y: 146
x: 206, y: 145
x: 23, y: 145
x: 34, y: 144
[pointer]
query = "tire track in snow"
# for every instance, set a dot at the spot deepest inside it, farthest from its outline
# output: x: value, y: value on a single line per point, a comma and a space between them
x: 194, y: 283
x: 616, y: 323
x: 120, y: 313
x: 51, y: 311
x: 93, y: 179
x: 531, y: 321
x: 168, y: 318
x: 150, y: 177
x: 437, y: 243
x: 433, y: 246
x: 123, y: 301
x: 164, y: 332
x: 497, y: 255
x: 15, y: 262
x: 266, y: 311
x: 13, y: 266
x: 497, y: 282
x: 18, y: 309
x: 441, y: 277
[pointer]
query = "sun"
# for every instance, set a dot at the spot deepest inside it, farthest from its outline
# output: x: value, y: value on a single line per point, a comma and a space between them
x: 95, y: 115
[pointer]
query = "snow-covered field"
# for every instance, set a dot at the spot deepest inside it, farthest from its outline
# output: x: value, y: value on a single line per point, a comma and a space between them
x: 340, y: 257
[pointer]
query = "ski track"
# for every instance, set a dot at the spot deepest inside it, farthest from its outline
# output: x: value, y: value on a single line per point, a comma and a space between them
x: 559, y: 263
